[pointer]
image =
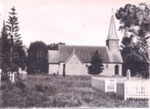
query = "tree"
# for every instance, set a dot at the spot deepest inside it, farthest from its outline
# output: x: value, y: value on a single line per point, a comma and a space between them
x: 17, y: 53
x: 135, y: 22
x: 5, y: 48
x: 37, y: 60
x: 54, y: 46
x: 133, y: 60
x: 96, y: 66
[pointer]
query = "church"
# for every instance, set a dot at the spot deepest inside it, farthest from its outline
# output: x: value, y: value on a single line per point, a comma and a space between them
x: 74, y: 60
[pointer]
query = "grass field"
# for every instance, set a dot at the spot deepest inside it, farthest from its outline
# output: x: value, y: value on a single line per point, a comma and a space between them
x: 56, y: 91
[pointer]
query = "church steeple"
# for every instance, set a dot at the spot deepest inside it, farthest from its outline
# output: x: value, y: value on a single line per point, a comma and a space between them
x: 112, y: 40
x: 112, y: 34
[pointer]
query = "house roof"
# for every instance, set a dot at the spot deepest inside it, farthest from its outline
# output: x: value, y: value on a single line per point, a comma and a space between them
x: 84, y: 52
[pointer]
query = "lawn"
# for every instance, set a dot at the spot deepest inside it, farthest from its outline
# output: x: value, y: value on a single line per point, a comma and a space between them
x: 56, y: 91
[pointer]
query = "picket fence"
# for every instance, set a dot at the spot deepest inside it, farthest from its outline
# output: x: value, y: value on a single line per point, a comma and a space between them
x: 129, y: 89
x: 13, y: 76
x: 134, y: 89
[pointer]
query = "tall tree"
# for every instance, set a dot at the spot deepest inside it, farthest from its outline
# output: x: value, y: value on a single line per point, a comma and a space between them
x: 96, y: 66
x: 135, y: 22
x: 133, y: 60
x: 5, y: 48
x: 37, y: 60
x: 17, y: 53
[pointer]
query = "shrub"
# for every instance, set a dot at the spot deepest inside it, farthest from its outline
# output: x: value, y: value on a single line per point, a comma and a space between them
x: 39, y: 88
x: 20, y: 85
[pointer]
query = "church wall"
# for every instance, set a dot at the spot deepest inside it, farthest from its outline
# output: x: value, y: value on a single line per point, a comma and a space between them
x: 85, y: 67
x: 109, y: 69
x: 61, y: 68
x: 53, y: 68
x: 120, y: 70
x: 74, y: 67
x: 82, y: 69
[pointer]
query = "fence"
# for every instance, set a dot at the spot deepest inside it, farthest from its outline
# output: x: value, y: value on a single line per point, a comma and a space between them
x: 23, y: 75
x: 134, y: 89
x: 106, y: 84
x: 98, y: 83
x: 12, y: 76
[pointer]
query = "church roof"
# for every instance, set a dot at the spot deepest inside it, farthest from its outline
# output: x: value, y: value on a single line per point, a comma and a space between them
x: 84, y: 53
x: 112, y: 30
x: 53, y: 56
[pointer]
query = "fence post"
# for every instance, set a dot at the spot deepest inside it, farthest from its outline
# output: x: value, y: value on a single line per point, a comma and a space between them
x: 10, y: 76
x: 13, y: 77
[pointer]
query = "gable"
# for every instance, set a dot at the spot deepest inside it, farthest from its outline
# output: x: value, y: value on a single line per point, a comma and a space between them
x: 73, y: 57
x: 73, y: 60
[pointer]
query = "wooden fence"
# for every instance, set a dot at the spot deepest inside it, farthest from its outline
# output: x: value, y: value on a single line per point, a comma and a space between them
x: 134, y: 88
x: 13, y: 76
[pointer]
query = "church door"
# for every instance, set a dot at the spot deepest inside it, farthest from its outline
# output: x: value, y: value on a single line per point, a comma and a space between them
x: 64, y: 73
x: 116, y: 70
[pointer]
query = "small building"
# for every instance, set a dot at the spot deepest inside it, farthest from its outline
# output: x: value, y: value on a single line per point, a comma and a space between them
x: 74, y: 60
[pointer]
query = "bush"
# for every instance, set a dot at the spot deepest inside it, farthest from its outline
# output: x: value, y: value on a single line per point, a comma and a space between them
x: 7, y: 86
x: 20, y: 85
x: 39, y: 88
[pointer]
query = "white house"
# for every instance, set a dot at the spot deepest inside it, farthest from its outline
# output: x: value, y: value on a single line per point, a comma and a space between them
x: 74, y: 60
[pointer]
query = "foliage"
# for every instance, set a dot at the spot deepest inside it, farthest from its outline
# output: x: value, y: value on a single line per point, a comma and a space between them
x: 54, y: 46
x: 37, y: 60
x: 96, y: 66
x: 16, y: 52
x: 71, y: 91
x: 135, y: 22
x: 5, y: 48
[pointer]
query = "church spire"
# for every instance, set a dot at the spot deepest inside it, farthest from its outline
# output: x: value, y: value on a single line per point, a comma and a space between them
x: 112, y: 34
x: 112, y: 41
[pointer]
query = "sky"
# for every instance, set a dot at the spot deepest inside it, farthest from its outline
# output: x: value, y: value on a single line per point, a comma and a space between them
x: 74, y: 22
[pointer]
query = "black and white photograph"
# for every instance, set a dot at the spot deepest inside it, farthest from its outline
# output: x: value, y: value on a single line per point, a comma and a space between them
x: 74, y: 54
